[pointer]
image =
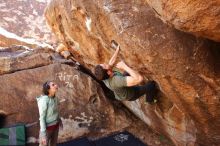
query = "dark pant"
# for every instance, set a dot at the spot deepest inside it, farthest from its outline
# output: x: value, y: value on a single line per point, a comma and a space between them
x: 52, y: 136
x: 150, y: 89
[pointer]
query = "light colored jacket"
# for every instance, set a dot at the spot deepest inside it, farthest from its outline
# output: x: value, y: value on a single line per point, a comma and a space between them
x: 48, y: 111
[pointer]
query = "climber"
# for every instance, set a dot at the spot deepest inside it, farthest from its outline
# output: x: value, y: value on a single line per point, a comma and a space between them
x: 125, y: 85
x: 49, y: 115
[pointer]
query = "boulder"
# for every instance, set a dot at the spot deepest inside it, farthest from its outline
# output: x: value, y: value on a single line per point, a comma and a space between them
x: 185, y: 67
x: 198, y: 17
x: 17, y: 58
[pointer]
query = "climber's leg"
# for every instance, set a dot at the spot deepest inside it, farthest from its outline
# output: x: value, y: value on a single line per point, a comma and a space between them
x: 150, y: 89
x: 138, y: 91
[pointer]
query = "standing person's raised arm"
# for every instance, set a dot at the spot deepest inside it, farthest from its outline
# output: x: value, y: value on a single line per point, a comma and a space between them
x: 134, y: 78
x: 114, y: 57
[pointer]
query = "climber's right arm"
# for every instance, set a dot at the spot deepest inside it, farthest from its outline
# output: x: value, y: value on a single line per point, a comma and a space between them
x: 134, y: 77
x: 114, y: 57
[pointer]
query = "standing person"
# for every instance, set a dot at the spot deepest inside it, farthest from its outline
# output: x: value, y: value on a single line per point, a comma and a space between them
x: 49, y: 115
x: 125, y: 87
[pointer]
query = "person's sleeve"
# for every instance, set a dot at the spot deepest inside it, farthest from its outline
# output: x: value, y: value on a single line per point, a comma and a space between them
x: 115, y: 69
x: 118, y: 82
x: 42, y: 105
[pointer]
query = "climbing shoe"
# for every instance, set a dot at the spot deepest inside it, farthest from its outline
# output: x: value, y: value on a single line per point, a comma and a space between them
x: 152, y: 91
x: 114, y: 44
x: 154, y: 101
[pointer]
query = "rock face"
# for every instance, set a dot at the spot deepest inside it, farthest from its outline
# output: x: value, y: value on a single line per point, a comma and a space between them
x: 199, y: 17
x: 25, y: 19
x: 8, y: 39
x: 185, y: 67
x: 20, y: 58
x: 83, y: 106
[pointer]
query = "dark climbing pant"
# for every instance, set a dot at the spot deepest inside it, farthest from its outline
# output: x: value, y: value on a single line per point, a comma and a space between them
x: 150, y: 89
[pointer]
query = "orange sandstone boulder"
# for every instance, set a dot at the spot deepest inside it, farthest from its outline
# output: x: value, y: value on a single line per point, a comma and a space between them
x: 185, y: 67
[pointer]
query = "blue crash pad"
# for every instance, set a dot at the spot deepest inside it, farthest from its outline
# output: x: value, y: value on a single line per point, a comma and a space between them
x: 77, y: 142
x: 120, y: 139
